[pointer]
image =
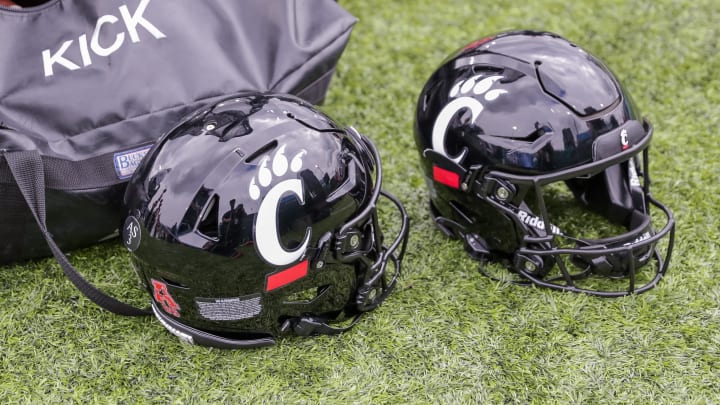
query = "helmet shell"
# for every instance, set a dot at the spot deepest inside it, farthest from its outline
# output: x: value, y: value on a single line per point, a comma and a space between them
x: 232, y: 207
x: 507, y: 115
x: 522, y: 102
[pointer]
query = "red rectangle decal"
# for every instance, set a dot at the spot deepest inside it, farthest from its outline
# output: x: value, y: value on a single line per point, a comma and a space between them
x: 446, y: 177
x: 287, y: 276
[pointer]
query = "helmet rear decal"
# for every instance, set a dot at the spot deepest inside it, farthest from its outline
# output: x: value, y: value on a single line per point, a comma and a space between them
x: 131, y: 233
x: 163, y: 297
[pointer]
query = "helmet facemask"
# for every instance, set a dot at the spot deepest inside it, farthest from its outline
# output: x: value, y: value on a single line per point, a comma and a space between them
x: 621, y: 257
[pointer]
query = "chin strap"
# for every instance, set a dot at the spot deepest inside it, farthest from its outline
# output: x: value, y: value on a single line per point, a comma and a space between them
x: 29, y: 175
x: 315, y: 325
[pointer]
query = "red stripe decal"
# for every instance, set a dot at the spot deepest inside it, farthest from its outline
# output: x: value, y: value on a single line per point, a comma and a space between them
x: 477, y: 43
x: 446, y: 177
x: 287, y: 276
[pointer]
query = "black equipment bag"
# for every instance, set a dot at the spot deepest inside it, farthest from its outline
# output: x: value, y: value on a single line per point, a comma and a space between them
x: 86, y: 87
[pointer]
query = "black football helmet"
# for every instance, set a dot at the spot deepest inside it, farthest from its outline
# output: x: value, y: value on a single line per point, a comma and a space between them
x: 506, y: 120
x: 256, y: 217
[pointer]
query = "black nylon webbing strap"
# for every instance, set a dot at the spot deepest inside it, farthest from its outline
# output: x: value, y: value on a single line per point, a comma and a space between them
x: 311, y: 325
x: 27, y: 170
x: 61, y: 174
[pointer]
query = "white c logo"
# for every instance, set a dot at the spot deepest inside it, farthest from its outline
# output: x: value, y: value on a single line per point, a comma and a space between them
x: 624, y: 139
x: 267, y: 239
x: 443, y: 120
x: 469, y: 88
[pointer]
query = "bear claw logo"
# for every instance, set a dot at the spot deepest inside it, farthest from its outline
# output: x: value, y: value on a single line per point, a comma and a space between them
x: 267, y: 240
x: 464, y: 87
x: 467, y: 92
x: 279, y: 167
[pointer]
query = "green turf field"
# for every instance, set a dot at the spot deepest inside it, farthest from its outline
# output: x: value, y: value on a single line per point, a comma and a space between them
x: 447, y: 334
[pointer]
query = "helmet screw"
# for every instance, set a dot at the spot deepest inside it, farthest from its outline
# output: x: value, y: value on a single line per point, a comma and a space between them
x: 354, y: 241
x: 502, y: 193
x: 529, y: 266
x: 209, y: 127
x: 371, y: 295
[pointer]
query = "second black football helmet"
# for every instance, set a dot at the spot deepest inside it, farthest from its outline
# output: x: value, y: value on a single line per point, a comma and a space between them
x: 504, y: 121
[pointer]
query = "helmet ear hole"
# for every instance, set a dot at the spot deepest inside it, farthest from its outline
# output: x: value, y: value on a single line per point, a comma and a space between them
x: 208, y: 224
x: 606, y: 193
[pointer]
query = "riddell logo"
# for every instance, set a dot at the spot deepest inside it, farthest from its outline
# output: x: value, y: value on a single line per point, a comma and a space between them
x: 536, y: 222
x: 644, y: 236
x: 131, y: 21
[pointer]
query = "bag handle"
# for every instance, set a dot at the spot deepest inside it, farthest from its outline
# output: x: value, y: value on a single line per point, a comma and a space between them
x: 29, y: 175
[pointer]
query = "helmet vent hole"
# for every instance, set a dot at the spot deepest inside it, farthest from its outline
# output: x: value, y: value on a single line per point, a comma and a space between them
x: 486, y: 69
x: 535, y: 135
x: 261, y: 151
x: 173, y: 283
x: 208, y: 225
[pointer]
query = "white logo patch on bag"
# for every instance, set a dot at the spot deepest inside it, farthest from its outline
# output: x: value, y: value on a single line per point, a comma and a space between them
x: 127, y: 161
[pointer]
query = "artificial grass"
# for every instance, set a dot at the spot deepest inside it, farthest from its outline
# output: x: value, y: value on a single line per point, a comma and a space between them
x: 447, y: 334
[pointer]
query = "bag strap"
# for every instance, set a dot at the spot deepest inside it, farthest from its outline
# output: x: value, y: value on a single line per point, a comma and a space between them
x: 29, y: 175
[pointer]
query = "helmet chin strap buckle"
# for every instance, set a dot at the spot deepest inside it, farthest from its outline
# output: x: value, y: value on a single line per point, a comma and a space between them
x: 306, y: 326
x: 314, y: 325
x: 601, y: 265
x: 614, y: 265
x: 617, y: 265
